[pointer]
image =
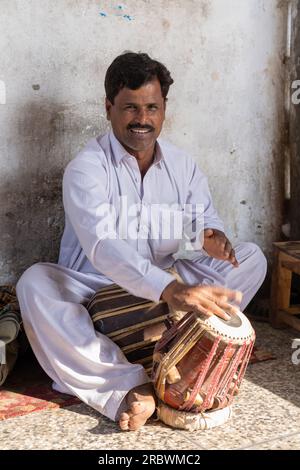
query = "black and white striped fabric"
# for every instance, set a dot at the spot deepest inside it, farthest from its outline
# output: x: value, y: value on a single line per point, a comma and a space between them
x: 133, y: 323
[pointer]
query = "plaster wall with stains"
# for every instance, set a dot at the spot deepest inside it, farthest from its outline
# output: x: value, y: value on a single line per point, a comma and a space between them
x: 225, y: 107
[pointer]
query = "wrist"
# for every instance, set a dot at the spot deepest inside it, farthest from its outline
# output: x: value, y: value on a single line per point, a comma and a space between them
x: 167, y: 292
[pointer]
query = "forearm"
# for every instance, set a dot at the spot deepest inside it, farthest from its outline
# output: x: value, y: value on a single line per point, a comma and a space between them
x: 126, y: 267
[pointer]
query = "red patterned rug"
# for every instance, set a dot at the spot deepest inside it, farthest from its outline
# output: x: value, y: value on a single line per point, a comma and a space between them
x: 260, y: 355
x: 28, y: 388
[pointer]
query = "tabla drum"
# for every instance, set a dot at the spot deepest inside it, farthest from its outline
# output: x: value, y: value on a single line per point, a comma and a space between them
x: 198, y: 366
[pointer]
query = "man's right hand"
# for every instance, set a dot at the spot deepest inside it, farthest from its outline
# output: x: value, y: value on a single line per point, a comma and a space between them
x: 208, y: 300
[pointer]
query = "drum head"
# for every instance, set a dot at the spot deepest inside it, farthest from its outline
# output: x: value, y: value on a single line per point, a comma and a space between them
x: 238, y: 329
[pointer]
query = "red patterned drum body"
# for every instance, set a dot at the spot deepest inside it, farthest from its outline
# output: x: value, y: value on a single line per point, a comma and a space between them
x: 199, y: 363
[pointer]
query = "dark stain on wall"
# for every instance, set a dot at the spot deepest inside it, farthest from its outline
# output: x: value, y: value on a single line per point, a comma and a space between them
x: 47, y: 136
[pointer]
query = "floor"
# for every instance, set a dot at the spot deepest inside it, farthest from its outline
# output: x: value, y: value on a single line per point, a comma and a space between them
x: 266, y: 415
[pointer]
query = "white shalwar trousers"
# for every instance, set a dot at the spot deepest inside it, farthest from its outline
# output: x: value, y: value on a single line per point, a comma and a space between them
x: 87, y: 364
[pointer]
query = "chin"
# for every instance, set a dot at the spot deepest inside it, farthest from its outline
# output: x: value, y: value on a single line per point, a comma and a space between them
x: 139, y: 146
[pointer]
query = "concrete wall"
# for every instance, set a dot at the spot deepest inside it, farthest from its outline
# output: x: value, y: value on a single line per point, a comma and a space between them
x: 294, y: 118
x: 225, y: 108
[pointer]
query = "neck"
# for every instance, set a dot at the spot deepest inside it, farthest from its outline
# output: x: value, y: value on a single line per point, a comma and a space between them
x: 144, y: 158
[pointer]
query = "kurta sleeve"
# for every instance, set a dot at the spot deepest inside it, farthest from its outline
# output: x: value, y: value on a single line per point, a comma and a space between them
x: 199, y: 193
x: 85, y: 199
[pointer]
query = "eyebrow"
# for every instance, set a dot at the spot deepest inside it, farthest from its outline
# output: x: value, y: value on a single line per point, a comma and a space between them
x: 135, y: 104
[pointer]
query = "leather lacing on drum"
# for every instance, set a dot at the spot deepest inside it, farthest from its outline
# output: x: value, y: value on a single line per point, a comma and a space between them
x: 223, y: 382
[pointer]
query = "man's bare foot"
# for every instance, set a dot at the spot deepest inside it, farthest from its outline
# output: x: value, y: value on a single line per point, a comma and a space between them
x: 141, y: 405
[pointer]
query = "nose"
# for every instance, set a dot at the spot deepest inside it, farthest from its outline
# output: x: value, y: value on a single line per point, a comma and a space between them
x: 142, y: 116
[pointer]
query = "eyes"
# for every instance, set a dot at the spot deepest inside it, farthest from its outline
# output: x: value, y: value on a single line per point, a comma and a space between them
x: 133, y: 108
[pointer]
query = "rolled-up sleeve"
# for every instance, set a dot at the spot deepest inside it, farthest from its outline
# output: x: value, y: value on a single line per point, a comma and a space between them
x: 85, y: 199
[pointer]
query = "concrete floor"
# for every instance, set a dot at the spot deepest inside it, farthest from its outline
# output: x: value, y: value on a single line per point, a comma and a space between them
x: 266, y: 415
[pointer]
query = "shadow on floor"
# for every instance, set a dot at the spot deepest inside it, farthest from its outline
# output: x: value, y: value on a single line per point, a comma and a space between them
x: 280, y: 376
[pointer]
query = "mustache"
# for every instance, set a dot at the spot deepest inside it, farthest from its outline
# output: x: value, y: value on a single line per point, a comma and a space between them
x: 140, y: 126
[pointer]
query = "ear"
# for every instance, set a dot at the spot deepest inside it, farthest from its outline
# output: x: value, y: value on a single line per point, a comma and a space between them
x: 108, y: 106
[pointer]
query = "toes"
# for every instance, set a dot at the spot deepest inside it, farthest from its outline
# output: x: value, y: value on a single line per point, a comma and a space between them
x: 137, y: 415
x: 123, y: 425
x: 123, y: 422
x: 124, y: 416
x: 135, y: 426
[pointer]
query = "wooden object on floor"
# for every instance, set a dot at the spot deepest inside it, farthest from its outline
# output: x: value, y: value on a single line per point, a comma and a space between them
x: 286, y: 262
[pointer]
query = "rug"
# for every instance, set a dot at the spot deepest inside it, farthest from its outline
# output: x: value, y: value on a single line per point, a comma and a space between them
x: 260, y: 355
x: 28, y: 388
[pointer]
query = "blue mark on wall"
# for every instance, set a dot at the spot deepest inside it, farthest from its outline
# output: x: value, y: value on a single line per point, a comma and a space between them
x: 120, y: 9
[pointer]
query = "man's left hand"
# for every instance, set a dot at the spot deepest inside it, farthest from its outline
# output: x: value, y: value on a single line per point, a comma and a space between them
x: 217, y: 245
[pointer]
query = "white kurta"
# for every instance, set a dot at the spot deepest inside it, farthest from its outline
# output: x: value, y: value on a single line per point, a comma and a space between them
x: 103, y: 173
x: 81, y: 361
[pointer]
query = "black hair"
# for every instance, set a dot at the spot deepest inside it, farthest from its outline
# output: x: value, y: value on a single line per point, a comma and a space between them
x: 132, y: 70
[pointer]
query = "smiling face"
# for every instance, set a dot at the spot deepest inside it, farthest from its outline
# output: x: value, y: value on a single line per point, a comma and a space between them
x: 137, y: 117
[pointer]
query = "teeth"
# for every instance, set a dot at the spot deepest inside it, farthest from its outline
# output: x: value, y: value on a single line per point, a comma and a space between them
x: 140, y: 131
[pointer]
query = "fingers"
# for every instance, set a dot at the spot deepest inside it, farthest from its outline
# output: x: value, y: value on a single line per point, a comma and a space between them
x: 233, y: 259
x: 213, y: 309
x: 224, y: 294
x: 216, y: 301
x: 229, y: 254
x: 222, y: 246
x: 208, y: 300
x: 227, y: 307
x: 227, y: 249
x: 208, y: 232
